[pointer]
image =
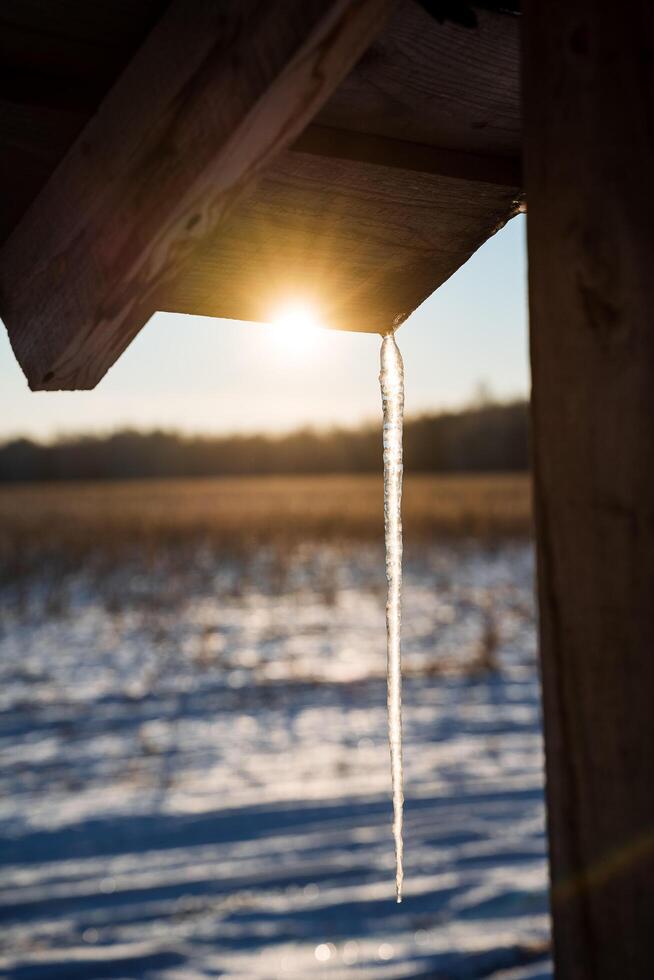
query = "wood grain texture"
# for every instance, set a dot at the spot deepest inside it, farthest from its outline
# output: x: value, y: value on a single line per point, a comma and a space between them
x: 343, y: 144
x: 589, y: 130
x: 362, y: 219
x: 207, y: 101
x: 368, y: 218
x: 421, y: 82
x: 436, y: 84
x: 360, y: 242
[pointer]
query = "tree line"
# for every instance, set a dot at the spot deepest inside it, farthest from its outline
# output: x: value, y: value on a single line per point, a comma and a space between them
x: 486, y: 438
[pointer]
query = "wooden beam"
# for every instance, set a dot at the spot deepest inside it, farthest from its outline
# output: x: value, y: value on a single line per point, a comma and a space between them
x: 588, y: 98
x: 421, y: 82
x: 210, y: 98
x: 363, y: 243
x: 342, y: 144
x: 437, y: 84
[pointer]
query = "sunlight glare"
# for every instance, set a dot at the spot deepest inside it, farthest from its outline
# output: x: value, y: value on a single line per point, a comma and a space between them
x: 296, y: 330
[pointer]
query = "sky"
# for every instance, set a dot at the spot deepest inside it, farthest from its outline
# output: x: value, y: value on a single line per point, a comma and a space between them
x: 198, y: 374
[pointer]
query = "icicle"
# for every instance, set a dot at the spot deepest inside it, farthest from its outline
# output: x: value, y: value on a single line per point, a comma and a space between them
x: 391, y: 380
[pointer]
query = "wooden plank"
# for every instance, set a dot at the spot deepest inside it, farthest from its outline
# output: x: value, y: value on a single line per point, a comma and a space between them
x: 360, y: 219
x: 436, y: 84
x: 422, y: 84
x: 588, y: 103
x: 364, y: 244
x: 204, y: 105
x: 423, y: 158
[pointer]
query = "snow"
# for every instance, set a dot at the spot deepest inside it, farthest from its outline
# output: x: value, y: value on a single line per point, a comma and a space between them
x: 198, y: 786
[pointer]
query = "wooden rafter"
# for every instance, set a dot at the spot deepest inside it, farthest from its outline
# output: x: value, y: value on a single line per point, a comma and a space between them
x: 341, y: 144
x: 207, y: 101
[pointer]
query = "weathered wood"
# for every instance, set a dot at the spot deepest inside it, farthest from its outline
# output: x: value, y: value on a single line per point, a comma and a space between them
x: 437, y: 84
x: 420, y: 82
x: 206, y: 102
x: 589, y: 132
x: 428, y: 102
x: 408, y: 168
x: 363, y: 243
x: 343, y: 144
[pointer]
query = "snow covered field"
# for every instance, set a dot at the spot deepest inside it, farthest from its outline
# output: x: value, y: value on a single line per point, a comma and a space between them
x: 195, y: 776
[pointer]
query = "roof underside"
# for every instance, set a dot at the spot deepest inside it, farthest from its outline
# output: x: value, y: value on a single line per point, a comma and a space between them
x: 410, y: 164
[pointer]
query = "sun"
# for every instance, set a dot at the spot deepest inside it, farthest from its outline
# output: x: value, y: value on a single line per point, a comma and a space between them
x: 296, y: 330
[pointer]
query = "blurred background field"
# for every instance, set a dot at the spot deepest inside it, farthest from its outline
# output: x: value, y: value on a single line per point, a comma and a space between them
x: 68, y: 522
x: 194, y: 769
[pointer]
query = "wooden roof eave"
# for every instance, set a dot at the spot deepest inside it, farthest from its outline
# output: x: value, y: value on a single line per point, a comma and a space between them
x: 172, y: 199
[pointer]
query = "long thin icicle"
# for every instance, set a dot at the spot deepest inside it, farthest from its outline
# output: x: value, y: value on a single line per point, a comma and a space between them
x: 391, y: 380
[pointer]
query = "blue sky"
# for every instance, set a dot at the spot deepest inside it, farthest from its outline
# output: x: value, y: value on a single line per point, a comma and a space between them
x: 201, y: 375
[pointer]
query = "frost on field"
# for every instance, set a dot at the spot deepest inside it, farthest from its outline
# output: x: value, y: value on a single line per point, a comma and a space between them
x: 195, y: 774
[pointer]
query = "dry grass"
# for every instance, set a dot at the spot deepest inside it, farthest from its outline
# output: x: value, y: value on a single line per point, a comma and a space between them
x: 301, y: 506
x: 72, y: 523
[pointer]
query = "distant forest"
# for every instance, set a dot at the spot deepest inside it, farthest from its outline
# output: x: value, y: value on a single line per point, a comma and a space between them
x: 490, y: 437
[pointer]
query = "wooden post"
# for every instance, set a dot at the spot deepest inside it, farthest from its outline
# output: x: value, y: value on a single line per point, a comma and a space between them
x: 589, y: 136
